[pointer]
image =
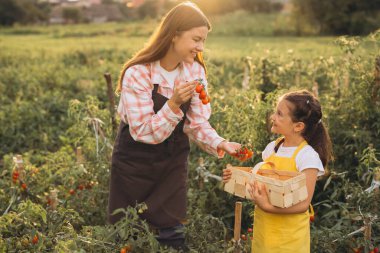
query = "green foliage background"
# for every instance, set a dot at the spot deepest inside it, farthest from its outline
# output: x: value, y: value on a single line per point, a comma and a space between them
x: 53, y: 95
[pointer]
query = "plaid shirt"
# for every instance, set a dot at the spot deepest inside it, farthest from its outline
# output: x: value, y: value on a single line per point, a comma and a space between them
x: 136, y: 107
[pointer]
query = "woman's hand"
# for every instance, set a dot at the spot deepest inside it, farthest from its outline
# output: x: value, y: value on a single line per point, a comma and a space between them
x: 259, y: 195
x: 227, y: 173
x: 229, y: 147
x: 181, y: 94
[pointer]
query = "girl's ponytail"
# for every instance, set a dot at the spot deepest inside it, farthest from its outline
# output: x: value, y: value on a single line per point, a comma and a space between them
x: 307, y: 109
x: 319, y: 139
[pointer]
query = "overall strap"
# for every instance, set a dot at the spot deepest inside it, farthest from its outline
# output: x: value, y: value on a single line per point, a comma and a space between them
x: 155, y: 89
x: 303, y: 144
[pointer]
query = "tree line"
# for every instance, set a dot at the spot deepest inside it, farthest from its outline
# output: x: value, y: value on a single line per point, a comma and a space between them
x: 338, y: 17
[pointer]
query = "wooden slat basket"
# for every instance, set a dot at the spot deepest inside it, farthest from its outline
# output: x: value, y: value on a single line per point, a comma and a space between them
x: 284, y: 188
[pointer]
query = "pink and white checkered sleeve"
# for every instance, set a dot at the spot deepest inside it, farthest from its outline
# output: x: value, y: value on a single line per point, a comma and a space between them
x: 197, y: 126
x: 137, y: 105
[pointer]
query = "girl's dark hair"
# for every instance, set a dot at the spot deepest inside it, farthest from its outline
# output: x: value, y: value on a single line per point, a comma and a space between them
x: 306, y: 108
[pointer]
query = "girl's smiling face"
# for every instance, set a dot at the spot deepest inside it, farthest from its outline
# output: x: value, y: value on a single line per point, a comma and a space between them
x: 187, y: 44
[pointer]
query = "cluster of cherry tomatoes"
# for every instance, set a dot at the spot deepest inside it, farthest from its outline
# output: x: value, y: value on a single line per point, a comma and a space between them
x: 249, y: 233
x: 203, y: 96
x: 81, y: 187
x: 359, y: 250
x: 243, y: 154
x: 15, y: 178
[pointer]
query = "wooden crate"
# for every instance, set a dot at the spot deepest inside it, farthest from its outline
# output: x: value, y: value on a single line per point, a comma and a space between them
x: 284, y: 188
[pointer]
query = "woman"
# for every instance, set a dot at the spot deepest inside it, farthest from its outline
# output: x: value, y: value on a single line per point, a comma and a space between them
x: 160, y: 111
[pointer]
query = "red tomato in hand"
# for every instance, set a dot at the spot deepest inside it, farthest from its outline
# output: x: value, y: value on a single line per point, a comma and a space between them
x: 203, y: 94
x: 205, y: 101
x: 199, y: 88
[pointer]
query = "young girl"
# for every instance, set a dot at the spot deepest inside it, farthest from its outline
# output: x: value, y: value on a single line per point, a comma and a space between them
x: 305, y: 147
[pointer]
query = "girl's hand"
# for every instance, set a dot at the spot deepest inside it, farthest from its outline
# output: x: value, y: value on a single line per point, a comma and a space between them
x: 229, y: 147
x: 181, y: 94
x: 226, y: 175
x: 259, y: 195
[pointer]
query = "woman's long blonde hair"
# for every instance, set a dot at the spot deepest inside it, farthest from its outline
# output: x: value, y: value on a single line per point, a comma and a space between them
x: 182, y: 17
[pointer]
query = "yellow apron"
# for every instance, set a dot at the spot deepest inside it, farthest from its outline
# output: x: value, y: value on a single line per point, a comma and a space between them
x: 281, y: 233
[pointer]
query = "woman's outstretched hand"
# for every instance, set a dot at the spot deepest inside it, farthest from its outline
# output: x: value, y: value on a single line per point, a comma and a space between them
x: 229, y: 147
x: 182, y: 93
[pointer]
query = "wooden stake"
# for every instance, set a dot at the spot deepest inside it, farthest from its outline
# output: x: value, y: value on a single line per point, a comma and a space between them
x: 111, y: 98
x: 53, y: 199
x: 80, y: 157
x: 376, y: 85
x: 200, y: 173
x: 237, y: 228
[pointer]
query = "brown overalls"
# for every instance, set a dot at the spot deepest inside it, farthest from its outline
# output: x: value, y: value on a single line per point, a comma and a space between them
x: 152, y: 173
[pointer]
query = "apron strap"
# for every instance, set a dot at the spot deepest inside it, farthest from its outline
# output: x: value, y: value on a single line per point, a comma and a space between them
x: 311, y: 210
x: 303, y: 144
x: 155, y: 88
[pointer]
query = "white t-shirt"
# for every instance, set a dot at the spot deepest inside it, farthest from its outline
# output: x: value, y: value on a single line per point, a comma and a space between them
x: 169, y: 76
x: 306, y: 158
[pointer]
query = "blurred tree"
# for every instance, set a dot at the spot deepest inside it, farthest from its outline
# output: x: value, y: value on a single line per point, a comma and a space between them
x: 23, y: 11
x: 71, y: 14
x: 148, y: 9
x: 339, y: 17
x: 217, y: 6
x: 9, y: 12
x: 261, y: 6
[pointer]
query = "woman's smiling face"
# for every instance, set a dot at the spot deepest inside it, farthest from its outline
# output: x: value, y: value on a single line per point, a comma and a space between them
x: 187, y: 44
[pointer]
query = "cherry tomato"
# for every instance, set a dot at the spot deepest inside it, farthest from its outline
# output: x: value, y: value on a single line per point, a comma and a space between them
x: 199, y: 88
x: 203, y: 94
x: 205, y: 101
x: 15, y: 174
x: 311, y: 218
x: 35, y: 239
x: 126, y: 249
x: 250, y: 230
